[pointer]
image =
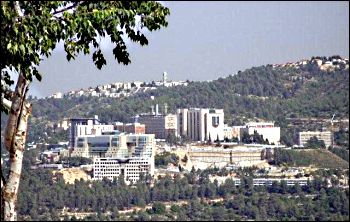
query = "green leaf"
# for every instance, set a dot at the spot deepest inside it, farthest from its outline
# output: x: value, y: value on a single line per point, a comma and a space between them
x: 21, y: 47
x: 37, y: 75
x: 15, y: 47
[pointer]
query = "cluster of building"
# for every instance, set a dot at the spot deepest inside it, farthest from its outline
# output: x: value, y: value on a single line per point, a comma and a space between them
x: 201, y: 124
x: 129, y: 148
x: 324, y: 63
x: 120, y: 89
x: 114, y: 153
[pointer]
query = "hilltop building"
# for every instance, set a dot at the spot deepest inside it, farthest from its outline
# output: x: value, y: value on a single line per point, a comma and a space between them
x: 57, y: 95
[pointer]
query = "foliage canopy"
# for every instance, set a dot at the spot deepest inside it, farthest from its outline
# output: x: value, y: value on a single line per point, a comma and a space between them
x: 31, y: 30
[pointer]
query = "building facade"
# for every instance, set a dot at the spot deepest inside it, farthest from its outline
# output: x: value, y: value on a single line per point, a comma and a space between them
x: 225, y: 156
x: 136, y: 128
x: 114, y: 145
x: 326, y: 136
x: 201, y: 124
x: 86, y: 126
x: 159, y: 124
x: 266, y: 129
x: 231, y: 132
x: 130, y: 168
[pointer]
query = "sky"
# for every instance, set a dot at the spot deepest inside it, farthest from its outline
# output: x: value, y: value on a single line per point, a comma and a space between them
x: 208, y: 40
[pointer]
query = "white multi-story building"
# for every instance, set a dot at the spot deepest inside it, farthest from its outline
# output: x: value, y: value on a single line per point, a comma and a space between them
x: 130, y: 168
x: 86, y: 126
x: 143, y: 144
x: 182, y: 121
x: 116, y: 145
x: 326, y: 136
x: 266, y: 129
x: 201, y: 124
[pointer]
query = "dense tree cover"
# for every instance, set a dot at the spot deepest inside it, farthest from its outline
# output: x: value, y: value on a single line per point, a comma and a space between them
x: 172, y: 139
x: 314, y: 157
x: 165, y: 158
x: 342, y: 153
x: 315, y: 143
x: 341, y: 138
x: 44, y: 197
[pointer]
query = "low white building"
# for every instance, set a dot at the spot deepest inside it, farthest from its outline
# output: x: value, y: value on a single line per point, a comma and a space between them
x: 266, y: 129
x: 326, y: 136
x: 289, y: 182
x: 130, y: 168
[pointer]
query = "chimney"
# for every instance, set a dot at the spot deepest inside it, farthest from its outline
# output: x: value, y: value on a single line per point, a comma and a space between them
x: 157, y: 113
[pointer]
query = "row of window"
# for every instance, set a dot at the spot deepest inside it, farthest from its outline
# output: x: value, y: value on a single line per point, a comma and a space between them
x: 132, y: 174
x: 116, y: 163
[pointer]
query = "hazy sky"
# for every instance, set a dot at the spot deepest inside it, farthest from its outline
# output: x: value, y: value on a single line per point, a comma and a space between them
x: 208, y: 40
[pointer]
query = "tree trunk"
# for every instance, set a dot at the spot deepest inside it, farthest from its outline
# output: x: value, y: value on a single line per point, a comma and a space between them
x: 15, y: 137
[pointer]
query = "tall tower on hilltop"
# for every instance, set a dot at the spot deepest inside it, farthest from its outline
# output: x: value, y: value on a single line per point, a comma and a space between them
x: 165, y: 77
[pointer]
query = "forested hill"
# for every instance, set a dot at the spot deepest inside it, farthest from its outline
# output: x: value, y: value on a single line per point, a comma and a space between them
x: 268, y: 92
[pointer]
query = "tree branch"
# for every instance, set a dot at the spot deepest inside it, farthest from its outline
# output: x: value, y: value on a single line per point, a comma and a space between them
x: 7, y: 103
x: 67, y: 8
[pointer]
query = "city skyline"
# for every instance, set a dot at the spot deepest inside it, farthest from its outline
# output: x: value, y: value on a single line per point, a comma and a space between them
x: 243, y: 35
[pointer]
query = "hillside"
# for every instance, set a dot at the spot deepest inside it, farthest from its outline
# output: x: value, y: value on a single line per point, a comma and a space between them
x: 272, y: 92
x: 317, y: 158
